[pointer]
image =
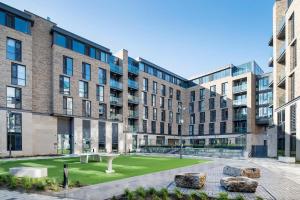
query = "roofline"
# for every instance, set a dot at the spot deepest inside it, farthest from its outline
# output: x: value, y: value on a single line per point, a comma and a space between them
x: 15, y: 11
x: 160, y: 68
x: 77, y: 37
x: 209, y: 73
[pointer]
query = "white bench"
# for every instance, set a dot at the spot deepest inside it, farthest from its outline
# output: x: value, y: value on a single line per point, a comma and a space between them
x: 32, y: 172
x: 85, y: 158
x: 286, y: 159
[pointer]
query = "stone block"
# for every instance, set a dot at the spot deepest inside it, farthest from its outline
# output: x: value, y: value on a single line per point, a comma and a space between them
x: 250, y: 172
x: 190, y: 180
x: 239, y: 184
x: 32, y: 172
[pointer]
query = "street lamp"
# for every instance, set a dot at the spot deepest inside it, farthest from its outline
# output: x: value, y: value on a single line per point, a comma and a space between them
x: 181, y: 122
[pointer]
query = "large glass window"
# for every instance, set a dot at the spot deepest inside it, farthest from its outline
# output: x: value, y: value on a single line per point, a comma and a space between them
x: 2, y: 18
x: 101, y: 76
x: 170, y: 104
x: 145, y: 84
x: 211, y: 128
x: 202, y: 117
x: 14, y: 132
x: 163, y: 90
x: 223, y: 101
x: 153, y: 127
x: 212, y: 103
x: 201, y: 106
x: 102, y: 111
x: 68, y: 66
x: 224, y: 88
x: 154, y: 87
x: 162, y: 102
x: 225, y: 114
x: 103, y: 57
x: 18, y: 74
x: 144, y: 98
x: 13, y: 49
x: 178, y: 95
x: 222, y: 127
x: 202, y: 93
x: 86, y: 108
x: 192, y: 96
x: 100, y: 93
x: 201, y: 129
x: 78, y: 46
x: 68, y: 105
x: 212, y: 115
x: 213, y: 91
x: 145, y: 113
x: 83, y: 89
x: 13, y: 97
x: 153, y: 100
x: 22, y: 25
x: 86, y: 71
x: 64, y: 85
x: 60, y: 40
x: 154, y: 114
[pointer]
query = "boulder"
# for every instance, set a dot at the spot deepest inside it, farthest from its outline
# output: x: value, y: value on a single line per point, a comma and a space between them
x: 32, y: 172
x: 190, y: 180
x: 239, y: 184
x: 250, y: 172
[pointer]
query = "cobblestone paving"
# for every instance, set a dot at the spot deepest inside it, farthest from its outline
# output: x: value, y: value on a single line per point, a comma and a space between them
x: 279, y: 181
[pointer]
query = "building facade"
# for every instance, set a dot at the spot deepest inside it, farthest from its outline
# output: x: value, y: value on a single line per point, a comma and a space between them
x: 63, y: 94
x: 286, y: 86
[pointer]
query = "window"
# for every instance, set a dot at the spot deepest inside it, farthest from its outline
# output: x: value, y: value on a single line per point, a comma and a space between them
x: 169, y: 129
x: 170, y: 92
x: 86, y: 108
x: 213, y: 91
x: 202, y: 93
x: 22, y: 25
x: 103, y: 57
x: 222, y: 127
x: 192, y: 119
x: 163, y: 90
x: 162, y: 128
x: 293, y: 55
x: 2, y: 18
x: 178, y: 95
x: 102, y: 111
x: 212, y: 103
x: 60, y: 40
x: 153, y: 101
x: 292, y: 27
x: 83, y: 89
x: 154, y: 114
x: 163, y: 115
x: 64, y: 85
x: 13, y: 97
x: 224, y: 88
x: 145, y: 126
x: 292, y: 79
x: 293, y: 118
x: 212, y: 116
x: 170, y: 116
x: 154, y: 87
x: 78, y: 47
x: 223, y: 102
x: 18, y: 74
x: 202, y: 117
x: 153, y: 127
x: 101, y: 76
x: 13, y: 49
x: 211, y: 128
x: 162, y: 102
x: 68, y: 66
x: 86, y: 71
x: 100, y: 93
x: 191, y: 129
x: 15, y: 22
x: 201, y: 129
x: 225, y: 114
x: 191, y: 107
x: 178, y: 118
x: 68, y: 105
x: 145, y: 113
x: 201, y: 106
x: 14, y: 132
x: 170, y: 104
x: 145, y: 84
x: 192, y: 96
x: 144, y: 98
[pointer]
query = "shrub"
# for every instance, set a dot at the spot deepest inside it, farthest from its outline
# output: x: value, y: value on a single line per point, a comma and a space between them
x: 178, y: 194
x: 164, y: 193
x: 128, y: 194
x: 26, y: 183
x: 259, y: 198
x: 156, y: 197
x: 151, y: 191
x: 40, y: 184
x: 193, y: 196
x: 223, y: 196
x: 52, y: 184
x: 202, y: 196
x: 140, y: 192
x: 239, y: 197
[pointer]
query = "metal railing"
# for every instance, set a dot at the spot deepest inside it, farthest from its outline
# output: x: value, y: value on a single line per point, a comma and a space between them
x: 114, y: 116
x: 133, y: 84
x: 240, y: 88
x: 133, y: 114
x: 133, y: 129
x: 133, y: 99
x: 115, y: 100
x: 240, y: 102
x: 133, y: 69
x: 240, y: 116
x: 116, y: 84
x: 115, y: 68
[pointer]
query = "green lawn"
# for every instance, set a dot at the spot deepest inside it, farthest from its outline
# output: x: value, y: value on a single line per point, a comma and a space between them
x: 94, y: 172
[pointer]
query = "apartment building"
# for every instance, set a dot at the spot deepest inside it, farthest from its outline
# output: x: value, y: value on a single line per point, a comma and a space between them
x: 286, y: 87
x: 62, y: 94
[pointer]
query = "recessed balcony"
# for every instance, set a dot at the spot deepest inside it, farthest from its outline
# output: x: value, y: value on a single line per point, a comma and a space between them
x: 132, y: 128
x: 240, y: 130
x: 117, y: 101
x: 281, y: 80
x: 115, y: 117
x: 133, y: 84
x: 271, y: 62
x: 133, y: 69
x: 240, y: 102
x: 133, y: 99
x: 262, y: 120
x: 116, y: 69
x: 133, y: 114
x: 240, y: 88
x: 116, y: 84
x: 282, y: 53
x: 240, y: 117
x: 281, y: 29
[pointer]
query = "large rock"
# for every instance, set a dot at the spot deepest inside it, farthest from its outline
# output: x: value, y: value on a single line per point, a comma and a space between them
x: 32, y: 172
x: 239, y: 184
x: 250, y: 172
x: 190, y: 180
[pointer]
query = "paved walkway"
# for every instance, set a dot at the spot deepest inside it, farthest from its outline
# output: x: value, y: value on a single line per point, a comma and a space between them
x: 279, y: 181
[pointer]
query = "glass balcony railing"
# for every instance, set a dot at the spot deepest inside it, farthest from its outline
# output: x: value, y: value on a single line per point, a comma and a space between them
x: 116, y: 84
x: 240, y: 102
x: 133, y: 99
x: 133, y: 84
x: 240, y: 88
x: 114, y: 116
x: 115, y: 100
x: 240, y: 116
x: 133, y: 69
x: 133, y: 128
x: 133, y: 114
x: 282, y: 50
x: 240, y: 129
x: 115, y: 68
x: 281, y: 77
x: 281, y: 25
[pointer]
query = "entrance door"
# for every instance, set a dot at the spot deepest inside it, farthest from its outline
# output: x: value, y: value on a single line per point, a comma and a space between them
x: 64, y: 136
x: 259, y: 151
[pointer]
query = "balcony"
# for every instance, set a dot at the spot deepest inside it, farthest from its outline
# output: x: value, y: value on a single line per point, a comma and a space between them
x: 116, y: 69
x: 133, y: 69
x: 240, y: 102
x: 240, y: 117
x: 240, y: 88
x: 263, y: 120
x: 271, y: 62
x: 281, y: 57
x: 132, y: 128
x: 133, y: 84
x: 115, y: 101
x: 240, y: 129
x: 133, y: 114
x: 281, y: 80
x: 281, y: 29
x: 133, y: 99
x: 115, y: 117
x: 116, y: 84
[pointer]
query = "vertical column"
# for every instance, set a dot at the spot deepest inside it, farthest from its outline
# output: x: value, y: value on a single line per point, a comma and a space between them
x: 108, y: 138
x: 287, y: 133
x: 3, y: 137
x: 94, y: 135
x: 298, y: 131
x: 77, y: 135
x: 121, y: 138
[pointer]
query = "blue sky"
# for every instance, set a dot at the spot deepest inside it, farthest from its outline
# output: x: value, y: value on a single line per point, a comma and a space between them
x: 187, y: 37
